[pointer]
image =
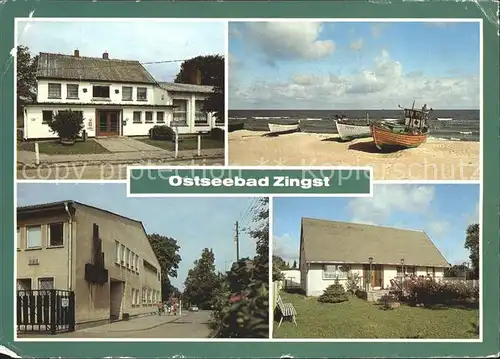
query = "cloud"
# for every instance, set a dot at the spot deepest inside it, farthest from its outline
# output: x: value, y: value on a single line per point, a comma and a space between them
x: 282, y: 41
x: 376, y: 30
x: 388, y: 199
x: 375, y: 87
x: 285, y: 247
x: 356, y: 45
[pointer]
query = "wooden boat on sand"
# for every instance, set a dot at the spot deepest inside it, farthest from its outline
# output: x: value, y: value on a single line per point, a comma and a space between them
x: 349, y: 131
x: 408, y: 133
x: 282, y: 128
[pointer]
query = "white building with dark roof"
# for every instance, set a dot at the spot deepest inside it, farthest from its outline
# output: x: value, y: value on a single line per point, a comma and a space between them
x: 115, y: 97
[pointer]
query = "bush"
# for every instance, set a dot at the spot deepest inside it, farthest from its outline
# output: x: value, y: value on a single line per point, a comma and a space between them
x: 162, y: 133
x: 217, y: 134
x: 388, y: 301
x: 427, y: 291
x: 361, y: 294
x: 353, y: 280
x: 67, y: 124
x: 334, y: 294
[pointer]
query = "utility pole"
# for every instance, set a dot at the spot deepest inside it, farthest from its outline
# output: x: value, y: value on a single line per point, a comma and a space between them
x: 237, y: 241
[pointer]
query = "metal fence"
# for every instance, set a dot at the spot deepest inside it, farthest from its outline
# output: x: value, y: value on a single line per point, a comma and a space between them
x: 45, y: 311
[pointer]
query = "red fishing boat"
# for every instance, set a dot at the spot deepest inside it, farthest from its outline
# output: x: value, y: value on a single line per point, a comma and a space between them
x: 409, y: 132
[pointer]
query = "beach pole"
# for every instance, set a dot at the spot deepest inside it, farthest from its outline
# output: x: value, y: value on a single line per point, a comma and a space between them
x: 199, y: 144
x: 176, y: 141
x: 37, y: 154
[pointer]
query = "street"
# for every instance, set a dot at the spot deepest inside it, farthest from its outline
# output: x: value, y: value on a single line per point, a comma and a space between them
x: 101, y: 171
x: 189, y: 325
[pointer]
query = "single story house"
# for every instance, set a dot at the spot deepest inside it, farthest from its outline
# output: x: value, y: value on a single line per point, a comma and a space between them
x: 331, y: 250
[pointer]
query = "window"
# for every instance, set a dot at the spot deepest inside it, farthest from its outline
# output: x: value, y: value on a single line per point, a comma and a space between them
x: 410, y: 270
x: 144, y: 296
x: 160, y: 117
x: 34, y: 237
x: 122, y: 254
x: 117, y: 252
x: 137, y: 302
x: 128, y: 258
x: 126, y: 93
x: 159, y: 277
x: 54, y: 90
x: 431, y: 271
x: 142, y: 94
x: 24, y: 284
x: 149, y: 117
x: 47, y: 116
x: 201, y: 117
x: 72, y: 91
x: 180, y: 111
x: 333, y: 271
x: 133, y: 297
x: 18, y: 238
x: 150, y: 296
x: 137, y: 116
x: 56, y: 234
x: 137, y: 263
x: 100, y: 91
x: 45, y: 283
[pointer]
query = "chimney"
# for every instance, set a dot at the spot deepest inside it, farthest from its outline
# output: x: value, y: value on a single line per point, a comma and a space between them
x: 76, y: 53
x: 105, y: 55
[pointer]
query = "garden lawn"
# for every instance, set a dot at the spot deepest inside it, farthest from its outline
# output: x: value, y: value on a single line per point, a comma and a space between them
x: 187, y: 143
x: 358, y: 318
x: 56, y: 148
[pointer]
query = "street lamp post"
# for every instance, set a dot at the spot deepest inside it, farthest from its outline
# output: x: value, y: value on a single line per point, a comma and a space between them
x: 402, y: 271
x: 370, y: 260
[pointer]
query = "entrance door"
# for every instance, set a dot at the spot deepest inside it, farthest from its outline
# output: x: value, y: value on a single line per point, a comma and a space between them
x: 109, y: 123
x: 116, y: 291
x: 376, y: 275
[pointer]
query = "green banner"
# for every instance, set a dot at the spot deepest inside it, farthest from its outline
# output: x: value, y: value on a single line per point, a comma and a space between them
x: 234, y: 181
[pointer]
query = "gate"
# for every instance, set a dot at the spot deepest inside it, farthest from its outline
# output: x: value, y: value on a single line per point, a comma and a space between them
x: 45, y: 311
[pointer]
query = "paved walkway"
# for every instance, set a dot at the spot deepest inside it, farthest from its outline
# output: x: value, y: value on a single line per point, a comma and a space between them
x: 28, y: 157
x: 125, y: 144
x: 134, y: 324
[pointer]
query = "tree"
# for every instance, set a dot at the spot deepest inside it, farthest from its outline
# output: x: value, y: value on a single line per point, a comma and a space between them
x: 202, y: 281
x: 472, y: 244
x: 294, y: 266
x: 26, y: 76
x: 166, y: 250
x: 67, y: 124
x: 246, y: 310
x: 211, y: 69
x: 335, y: 293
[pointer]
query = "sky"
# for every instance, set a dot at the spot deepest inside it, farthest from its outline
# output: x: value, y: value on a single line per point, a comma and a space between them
x: 353, y: 65
x: 443, y: 211
x: 141, y: 40
x: 195, y: 223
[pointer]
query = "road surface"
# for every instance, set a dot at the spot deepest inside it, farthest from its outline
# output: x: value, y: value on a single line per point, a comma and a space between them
x: 96, y: 172
x: 190, y: 325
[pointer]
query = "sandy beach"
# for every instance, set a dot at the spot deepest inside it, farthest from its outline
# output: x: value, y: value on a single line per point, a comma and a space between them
x: 434, y: 160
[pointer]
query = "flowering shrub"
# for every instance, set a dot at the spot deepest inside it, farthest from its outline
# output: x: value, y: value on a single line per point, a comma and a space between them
x: 422, y: 290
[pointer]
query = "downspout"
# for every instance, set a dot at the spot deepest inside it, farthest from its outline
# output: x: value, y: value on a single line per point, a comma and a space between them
x: 70, y: 247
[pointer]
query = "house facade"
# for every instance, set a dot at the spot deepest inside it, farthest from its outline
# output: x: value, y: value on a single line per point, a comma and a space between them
x: 372, y: 255
x: 104, y: 258
x: 115, y: 97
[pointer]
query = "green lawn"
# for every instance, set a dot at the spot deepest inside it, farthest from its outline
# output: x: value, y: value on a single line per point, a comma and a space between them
x: 54, y: 147
x: 357, y: 319
x: 185, y: 143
